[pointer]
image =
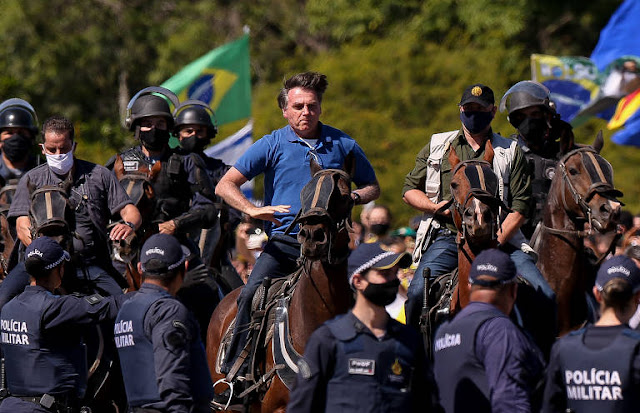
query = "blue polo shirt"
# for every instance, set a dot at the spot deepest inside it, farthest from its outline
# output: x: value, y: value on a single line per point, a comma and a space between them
x: 284, y: 159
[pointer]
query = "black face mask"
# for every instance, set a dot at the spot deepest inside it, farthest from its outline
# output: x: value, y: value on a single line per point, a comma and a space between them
x: 194, y: 144
x: 379, y: 229
x: 533, y: 130
x: 476, y: 122
x: 382, y: 294
x: 17, y: 147
x: 154, y: 139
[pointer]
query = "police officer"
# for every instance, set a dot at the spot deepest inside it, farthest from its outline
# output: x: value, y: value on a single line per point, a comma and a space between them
x: 541, y: 134
x: 194, y: 126
x: 183, y: 190
x: 426, y: 188
x: 364, y: 361
x: 482, y: 361
x: 597, y: 368
x: 95, y: 195
x: 18, y: 131
x: 162, y: 357
x: 45, y: 359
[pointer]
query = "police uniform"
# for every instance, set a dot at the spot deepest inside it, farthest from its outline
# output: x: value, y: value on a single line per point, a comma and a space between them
x: 347, y: 369
x: 43, y: 349
x: 183, y: 193
x: 162, y: 357
x: 484, y: 363
x: 595, y: 369
x: 11, y: 177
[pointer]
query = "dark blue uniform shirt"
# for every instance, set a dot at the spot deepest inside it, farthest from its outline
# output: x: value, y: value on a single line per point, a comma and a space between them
x: 164, y: 364
x: 41, y: 340
x: 346, y: 368
x: 507, y: 366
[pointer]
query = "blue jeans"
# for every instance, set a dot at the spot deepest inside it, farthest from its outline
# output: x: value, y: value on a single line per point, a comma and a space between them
x: 527, y: 269
x: 278, y: 259
x: 441, y: 257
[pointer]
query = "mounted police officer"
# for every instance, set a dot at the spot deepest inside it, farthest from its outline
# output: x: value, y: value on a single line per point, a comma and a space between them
x: 542, y: 136
x: 597, y: 368
x: 194, y: 126
x: 482, y: 361
x: 183, y: 190
x: 18, y: 131
x: 426, y: 188
x: 364, y: 361
x: 95, y: 194
x: 162, y: 357
x: 45, y: 358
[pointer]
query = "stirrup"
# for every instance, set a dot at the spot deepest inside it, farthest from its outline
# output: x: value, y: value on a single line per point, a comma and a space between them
x: 220, y: 405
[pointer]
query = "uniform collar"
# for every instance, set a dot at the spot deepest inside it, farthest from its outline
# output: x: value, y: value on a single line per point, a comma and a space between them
x: 349, y: 326
x: 147, y: 287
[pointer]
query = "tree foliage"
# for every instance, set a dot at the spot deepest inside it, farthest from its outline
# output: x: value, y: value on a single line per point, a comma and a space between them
x: 396, y: 68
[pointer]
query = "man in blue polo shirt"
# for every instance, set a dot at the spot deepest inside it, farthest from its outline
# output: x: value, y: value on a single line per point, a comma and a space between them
x: 284, y: 157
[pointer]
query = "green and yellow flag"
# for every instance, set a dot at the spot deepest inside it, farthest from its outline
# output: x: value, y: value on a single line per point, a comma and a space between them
x: 220, y: 78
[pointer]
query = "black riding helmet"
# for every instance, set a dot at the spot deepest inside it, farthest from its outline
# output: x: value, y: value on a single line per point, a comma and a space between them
x: 18, y: 113
x: 525, y: 94
x: 147, y: 103
x: 195, y: 112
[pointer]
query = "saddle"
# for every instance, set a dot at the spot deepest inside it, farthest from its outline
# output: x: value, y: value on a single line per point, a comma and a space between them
x: 269, y: 324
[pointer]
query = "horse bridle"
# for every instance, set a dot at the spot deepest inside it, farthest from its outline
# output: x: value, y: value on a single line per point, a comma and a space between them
x: 314, y: 210
x: 602, y: 186
x: 479, y: 190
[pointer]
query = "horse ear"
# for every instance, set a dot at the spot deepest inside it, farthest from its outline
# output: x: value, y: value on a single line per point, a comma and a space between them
x: 314, y: 166
x: 148, y: 190
x: 598, y: 143
x: 488, y: 152
x: 349, y: 165
x: 118, y: 167
x: 453, y: 157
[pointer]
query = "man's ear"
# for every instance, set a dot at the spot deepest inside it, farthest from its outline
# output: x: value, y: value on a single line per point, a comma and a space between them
x: 357, y: 281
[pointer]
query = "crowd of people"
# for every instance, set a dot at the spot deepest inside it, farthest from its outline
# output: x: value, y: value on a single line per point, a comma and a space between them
x: 202, y: 237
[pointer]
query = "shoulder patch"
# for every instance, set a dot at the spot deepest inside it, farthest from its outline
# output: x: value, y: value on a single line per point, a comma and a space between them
x: 178, y: 336
x: 94, y: 299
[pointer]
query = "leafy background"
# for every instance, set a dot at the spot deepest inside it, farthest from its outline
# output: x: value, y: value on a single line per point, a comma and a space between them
x: 396, y: 68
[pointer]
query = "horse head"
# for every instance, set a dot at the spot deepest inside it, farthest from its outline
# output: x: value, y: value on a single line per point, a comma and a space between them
x: 51, y: 213
x: 585, y: 188
x: 475, y: 198
x: 325, y: 213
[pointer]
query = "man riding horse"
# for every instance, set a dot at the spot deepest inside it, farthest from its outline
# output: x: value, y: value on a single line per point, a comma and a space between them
x: 426, y: 188
x: 183, y: 190
x: 284, y: 156
x: 94, y: 195
x: 542, y: 136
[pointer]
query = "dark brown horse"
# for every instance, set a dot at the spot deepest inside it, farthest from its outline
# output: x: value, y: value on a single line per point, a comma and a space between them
x: 582, y: 199
x: 321, y: 291
x: 475, y: 213
x: 139, y: 186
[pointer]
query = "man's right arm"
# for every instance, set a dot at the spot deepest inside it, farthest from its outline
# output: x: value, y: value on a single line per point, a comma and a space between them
x: 20, y: 210
x: 414, y: 184
x: 229, y: 189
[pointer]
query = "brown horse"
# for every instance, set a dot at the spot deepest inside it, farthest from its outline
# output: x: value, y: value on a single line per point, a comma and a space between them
x: 139, y: 186
x: 475, y: 211
x: 319, y: 291
x: 582, y: 199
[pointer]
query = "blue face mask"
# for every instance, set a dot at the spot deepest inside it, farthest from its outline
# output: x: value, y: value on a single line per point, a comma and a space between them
x: 476, y: 122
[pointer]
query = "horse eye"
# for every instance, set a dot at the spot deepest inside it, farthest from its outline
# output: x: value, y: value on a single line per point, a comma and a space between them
x: 454, y: 185
x: 573, y: 171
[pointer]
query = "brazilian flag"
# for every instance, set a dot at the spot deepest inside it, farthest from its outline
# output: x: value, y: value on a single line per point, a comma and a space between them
x: 220, y: 78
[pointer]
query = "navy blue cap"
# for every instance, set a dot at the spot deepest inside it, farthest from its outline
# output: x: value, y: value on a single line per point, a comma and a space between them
x: 478, y: 93
x: 48, y: 252
x: 371, y: 255
x: 162, y: 253
x: 494, y: 264
x: 619, y: 266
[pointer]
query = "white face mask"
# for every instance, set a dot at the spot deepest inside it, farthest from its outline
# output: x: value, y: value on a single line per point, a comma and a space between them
x: 60, y: 164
